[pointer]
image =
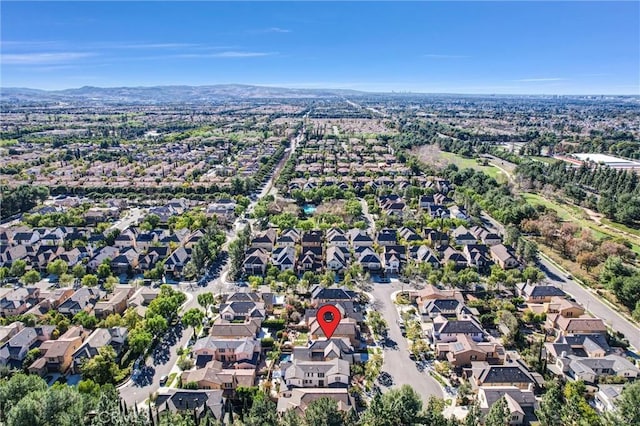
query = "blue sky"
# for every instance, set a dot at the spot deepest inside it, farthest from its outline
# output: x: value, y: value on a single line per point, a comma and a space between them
x: 455, y: 47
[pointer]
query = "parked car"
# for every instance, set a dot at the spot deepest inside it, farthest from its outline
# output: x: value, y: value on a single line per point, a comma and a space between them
x: 163, y: 380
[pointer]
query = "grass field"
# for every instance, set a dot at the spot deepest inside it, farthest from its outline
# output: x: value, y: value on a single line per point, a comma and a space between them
x: 574, y: 214
x: 547, y: 160
x: 621, y: 227
x: 567, y: 213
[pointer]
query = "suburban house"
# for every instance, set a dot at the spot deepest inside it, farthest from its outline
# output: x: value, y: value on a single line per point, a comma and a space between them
x: 347, y: 328
x: 535, y: 293
x: 446, y: 331
x: 452, y: 255
x: 564, y: 325
x: 317, y: 374
x: 8, y: 331
x: 115, y: 304
x: 462, y: 236
x: 312, y: 239
x: 369, y: 260
x: 564, y: 307
x: 15, y: 350
x: 177, y: 261
x: 477, y: 256
x: 424, y: 254
x: 265, y: 240
x: 100, y: 337
x: 511, y: 373
x: 284, y: 258
x: 336, y: 260
x: 298, y: 399
x: 520, y: 403
x: 448, y: 308
x: 82, y: 300
x: 321, y: 295
x: 256, y: 261
x: 242, y: 310
x: 214, y: 376
x: 503, y: 256
x: 231, y: 330
x: 464, y: 350
x: 236, y: 352
x: 18, y: 301
x: 431, y: 292
x: 198, y: 402
x: 57, y: 355
x: 325, y: 350
x: 224, y: 209
x: 607, y: 396
x: 360, y: 238
x: 488, y: 238
x: 592, y: 369
x: 387, y: 237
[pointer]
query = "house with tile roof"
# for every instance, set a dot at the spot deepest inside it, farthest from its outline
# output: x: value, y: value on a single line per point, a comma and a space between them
x: 333, y: 373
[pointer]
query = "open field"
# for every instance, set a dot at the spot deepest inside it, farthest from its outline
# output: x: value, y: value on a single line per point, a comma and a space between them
x: 576, y: 215
x: 432, y: 154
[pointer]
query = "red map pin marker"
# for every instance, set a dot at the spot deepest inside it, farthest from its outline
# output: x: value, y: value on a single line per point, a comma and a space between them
x: 328, y: 317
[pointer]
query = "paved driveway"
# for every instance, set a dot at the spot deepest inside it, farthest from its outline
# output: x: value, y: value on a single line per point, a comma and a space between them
x: 396, y: 361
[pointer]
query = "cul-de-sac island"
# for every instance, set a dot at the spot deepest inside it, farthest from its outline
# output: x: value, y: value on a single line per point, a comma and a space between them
x: 164, y: 252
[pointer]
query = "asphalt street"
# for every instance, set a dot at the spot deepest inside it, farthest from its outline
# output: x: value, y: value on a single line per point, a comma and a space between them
x: 396, y: 359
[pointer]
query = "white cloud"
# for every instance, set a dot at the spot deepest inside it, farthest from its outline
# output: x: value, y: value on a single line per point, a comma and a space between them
x: 228, y: 54
x: 42, y: 58
x: 153, y: 45
x: 277, y: 30
x: 538, y: 80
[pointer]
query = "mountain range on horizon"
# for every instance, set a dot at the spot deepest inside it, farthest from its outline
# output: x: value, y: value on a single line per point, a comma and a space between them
x: 208, y: 93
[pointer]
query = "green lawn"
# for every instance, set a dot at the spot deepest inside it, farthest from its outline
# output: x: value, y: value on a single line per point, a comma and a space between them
x: 566, y: 213
x: 621, y: 227
x: 536, y: 200
x: 547, y: 160
x: 301, y: 339
x: 469, y: 163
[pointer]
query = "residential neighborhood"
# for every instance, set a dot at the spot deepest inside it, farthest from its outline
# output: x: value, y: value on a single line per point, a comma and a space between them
x: 169, y: 264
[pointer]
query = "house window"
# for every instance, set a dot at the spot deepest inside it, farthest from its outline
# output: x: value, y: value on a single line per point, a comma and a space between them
x: 320, y: 374
x: 515, y: 417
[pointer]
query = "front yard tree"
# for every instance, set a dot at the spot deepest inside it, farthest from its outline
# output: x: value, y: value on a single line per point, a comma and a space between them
x: 403, y: 404
x: 139, y: 339
x: 89, y: 280
x: 102, y: 368
x: 156, y: 324
x: 323, y: 412
x: 31, y: 277
x: 193, y: 317
x: 104, y: 269
x: 498, y: 414
x: 262, y: 412
x: 78, y: 270
x: 206, y: 299
x: 628, y: 406
x: 111, y: 282
x: 18, y: 268
x: 57, y: 267
x: 551, y: 405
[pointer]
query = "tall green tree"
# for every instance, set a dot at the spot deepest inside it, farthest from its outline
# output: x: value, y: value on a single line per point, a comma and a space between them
x: 323, y: 412
x: 627, y: 406
x: 498, y: 414
x: 550, y: 411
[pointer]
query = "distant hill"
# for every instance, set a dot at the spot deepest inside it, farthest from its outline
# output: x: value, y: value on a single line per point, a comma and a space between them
x: 165, y: 94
